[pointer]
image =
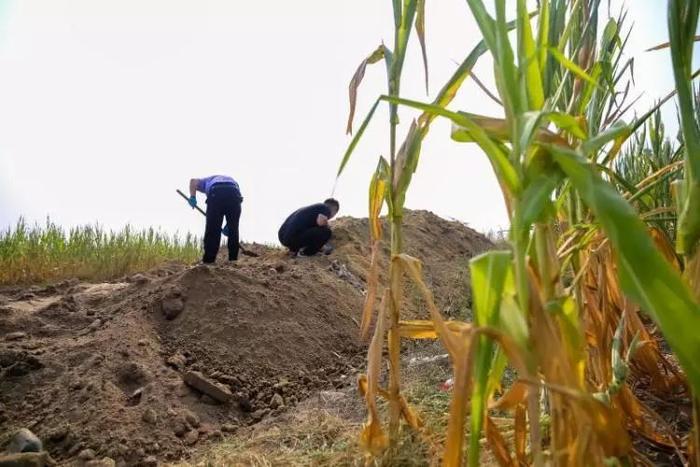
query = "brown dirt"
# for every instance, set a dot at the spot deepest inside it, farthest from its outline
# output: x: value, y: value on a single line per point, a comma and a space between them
x: 100, y: 366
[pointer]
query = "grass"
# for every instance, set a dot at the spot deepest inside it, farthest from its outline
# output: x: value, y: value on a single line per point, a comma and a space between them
x: 42, y: 253
x: 325, y: 434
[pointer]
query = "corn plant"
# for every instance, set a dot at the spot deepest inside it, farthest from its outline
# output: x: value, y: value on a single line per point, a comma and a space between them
x: 645, y: 171
x: 682, y: 24
x: 388, y: 186
x: 538, y: 304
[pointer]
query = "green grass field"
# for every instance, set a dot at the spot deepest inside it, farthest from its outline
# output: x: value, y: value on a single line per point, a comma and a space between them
x: 42, y: 253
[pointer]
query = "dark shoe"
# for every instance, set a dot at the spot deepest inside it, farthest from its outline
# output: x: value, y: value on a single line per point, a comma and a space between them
x: 327, y: 249
x: 303, y: 253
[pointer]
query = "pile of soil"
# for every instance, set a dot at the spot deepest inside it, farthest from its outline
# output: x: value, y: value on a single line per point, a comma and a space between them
x: 150, y: 367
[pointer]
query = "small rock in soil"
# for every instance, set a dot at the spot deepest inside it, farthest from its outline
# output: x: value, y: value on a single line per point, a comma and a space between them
x: 172, y: 307
x: 86, y: 455
x: 244, y: 403
x: 191, y: 418
x: 259, y: 414
x: 215, y: 435
x: 150, y: 461
x: 229, y: 428
x: 95, y: 325
x: 180, y: 427
x: 135, y: 397
x: 216, y: 391
x: 104, y: 462
x: 232, y: 381
x: 150, y: 416
x: 276, y: 401
x: 177, y: 361
x: 24, y: 441
x: 191, y: 437
x: 15, y: 336
x: 58, y: 434
x: 76, y: 384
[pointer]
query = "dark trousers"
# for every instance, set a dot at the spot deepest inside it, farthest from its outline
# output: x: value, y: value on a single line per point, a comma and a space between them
x: 310, y: 240
x: 223, y: 201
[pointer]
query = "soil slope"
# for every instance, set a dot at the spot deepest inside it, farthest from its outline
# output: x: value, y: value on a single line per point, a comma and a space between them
x: 101, y: 366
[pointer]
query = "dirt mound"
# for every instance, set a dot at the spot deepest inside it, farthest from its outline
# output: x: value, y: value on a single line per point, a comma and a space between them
x: 153, y: 366
x: 443, y: 246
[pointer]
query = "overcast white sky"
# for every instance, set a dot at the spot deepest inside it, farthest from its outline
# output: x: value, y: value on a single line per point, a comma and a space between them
x: 106, y: 107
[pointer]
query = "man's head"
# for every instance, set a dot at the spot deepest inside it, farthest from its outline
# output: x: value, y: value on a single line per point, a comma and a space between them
x: 333, y: 205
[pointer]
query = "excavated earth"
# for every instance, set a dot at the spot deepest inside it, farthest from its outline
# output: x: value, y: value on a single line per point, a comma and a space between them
x: 153, y: 366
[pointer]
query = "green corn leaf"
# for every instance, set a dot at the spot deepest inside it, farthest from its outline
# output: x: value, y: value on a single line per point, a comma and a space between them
x: 568, y: 123
x: 529, y: 123
x: 610, y: 33
x: 682, y: 25
x: 495, y: 35
x: 487, y: 25
x: 420, y: 32
x: 617, y: 132
x: 528, y: 59
x: 356, y: 138
x: 543, y: 35
x: 513, y: 97
x: 488, y: 275
x: 645, y: 275
x: 449, y: 90
x: 407, y: 161
x: 536, y: 199
x: 571, y: 66
x: 499, y: 159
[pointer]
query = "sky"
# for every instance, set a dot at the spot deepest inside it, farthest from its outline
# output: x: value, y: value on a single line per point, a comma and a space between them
x: 106, y: 107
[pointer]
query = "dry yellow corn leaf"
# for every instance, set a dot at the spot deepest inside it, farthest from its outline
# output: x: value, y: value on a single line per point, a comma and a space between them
x: 424, y: 329
x: 498, y: 445
x: 372, y: 438
x: 515, y: 396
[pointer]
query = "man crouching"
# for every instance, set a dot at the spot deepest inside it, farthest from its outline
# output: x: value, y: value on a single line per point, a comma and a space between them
x: 306, y: 230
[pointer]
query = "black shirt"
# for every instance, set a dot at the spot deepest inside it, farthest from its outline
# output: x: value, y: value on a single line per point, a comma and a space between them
x: 302, y: 219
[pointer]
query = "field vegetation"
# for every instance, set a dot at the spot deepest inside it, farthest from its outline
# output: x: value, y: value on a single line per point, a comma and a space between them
x: 605, y: 225
x: 47, y: 252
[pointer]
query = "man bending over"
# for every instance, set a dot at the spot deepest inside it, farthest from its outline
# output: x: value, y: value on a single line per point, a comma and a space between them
x: 306, y: 230
x: 223, y: 200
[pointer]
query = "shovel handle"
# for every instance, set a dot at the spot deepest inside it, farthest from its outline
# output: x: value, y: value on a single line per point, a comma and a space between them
x: 187, y: 198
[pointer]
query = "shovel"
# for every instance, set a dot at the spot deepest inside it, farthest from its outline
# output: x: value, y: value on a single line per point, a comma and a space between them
x: 224, y: 230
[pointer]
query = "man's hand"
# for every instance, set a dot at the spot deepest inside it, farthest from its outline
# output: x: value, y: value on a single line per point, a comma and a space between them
x: 322, y: 220
x: 193, y: 201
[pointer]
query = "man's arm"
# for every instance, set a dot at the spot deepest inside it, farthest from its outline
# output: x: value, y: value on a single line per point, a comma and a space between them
x: 322, y: 220
x: 193, y: 186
